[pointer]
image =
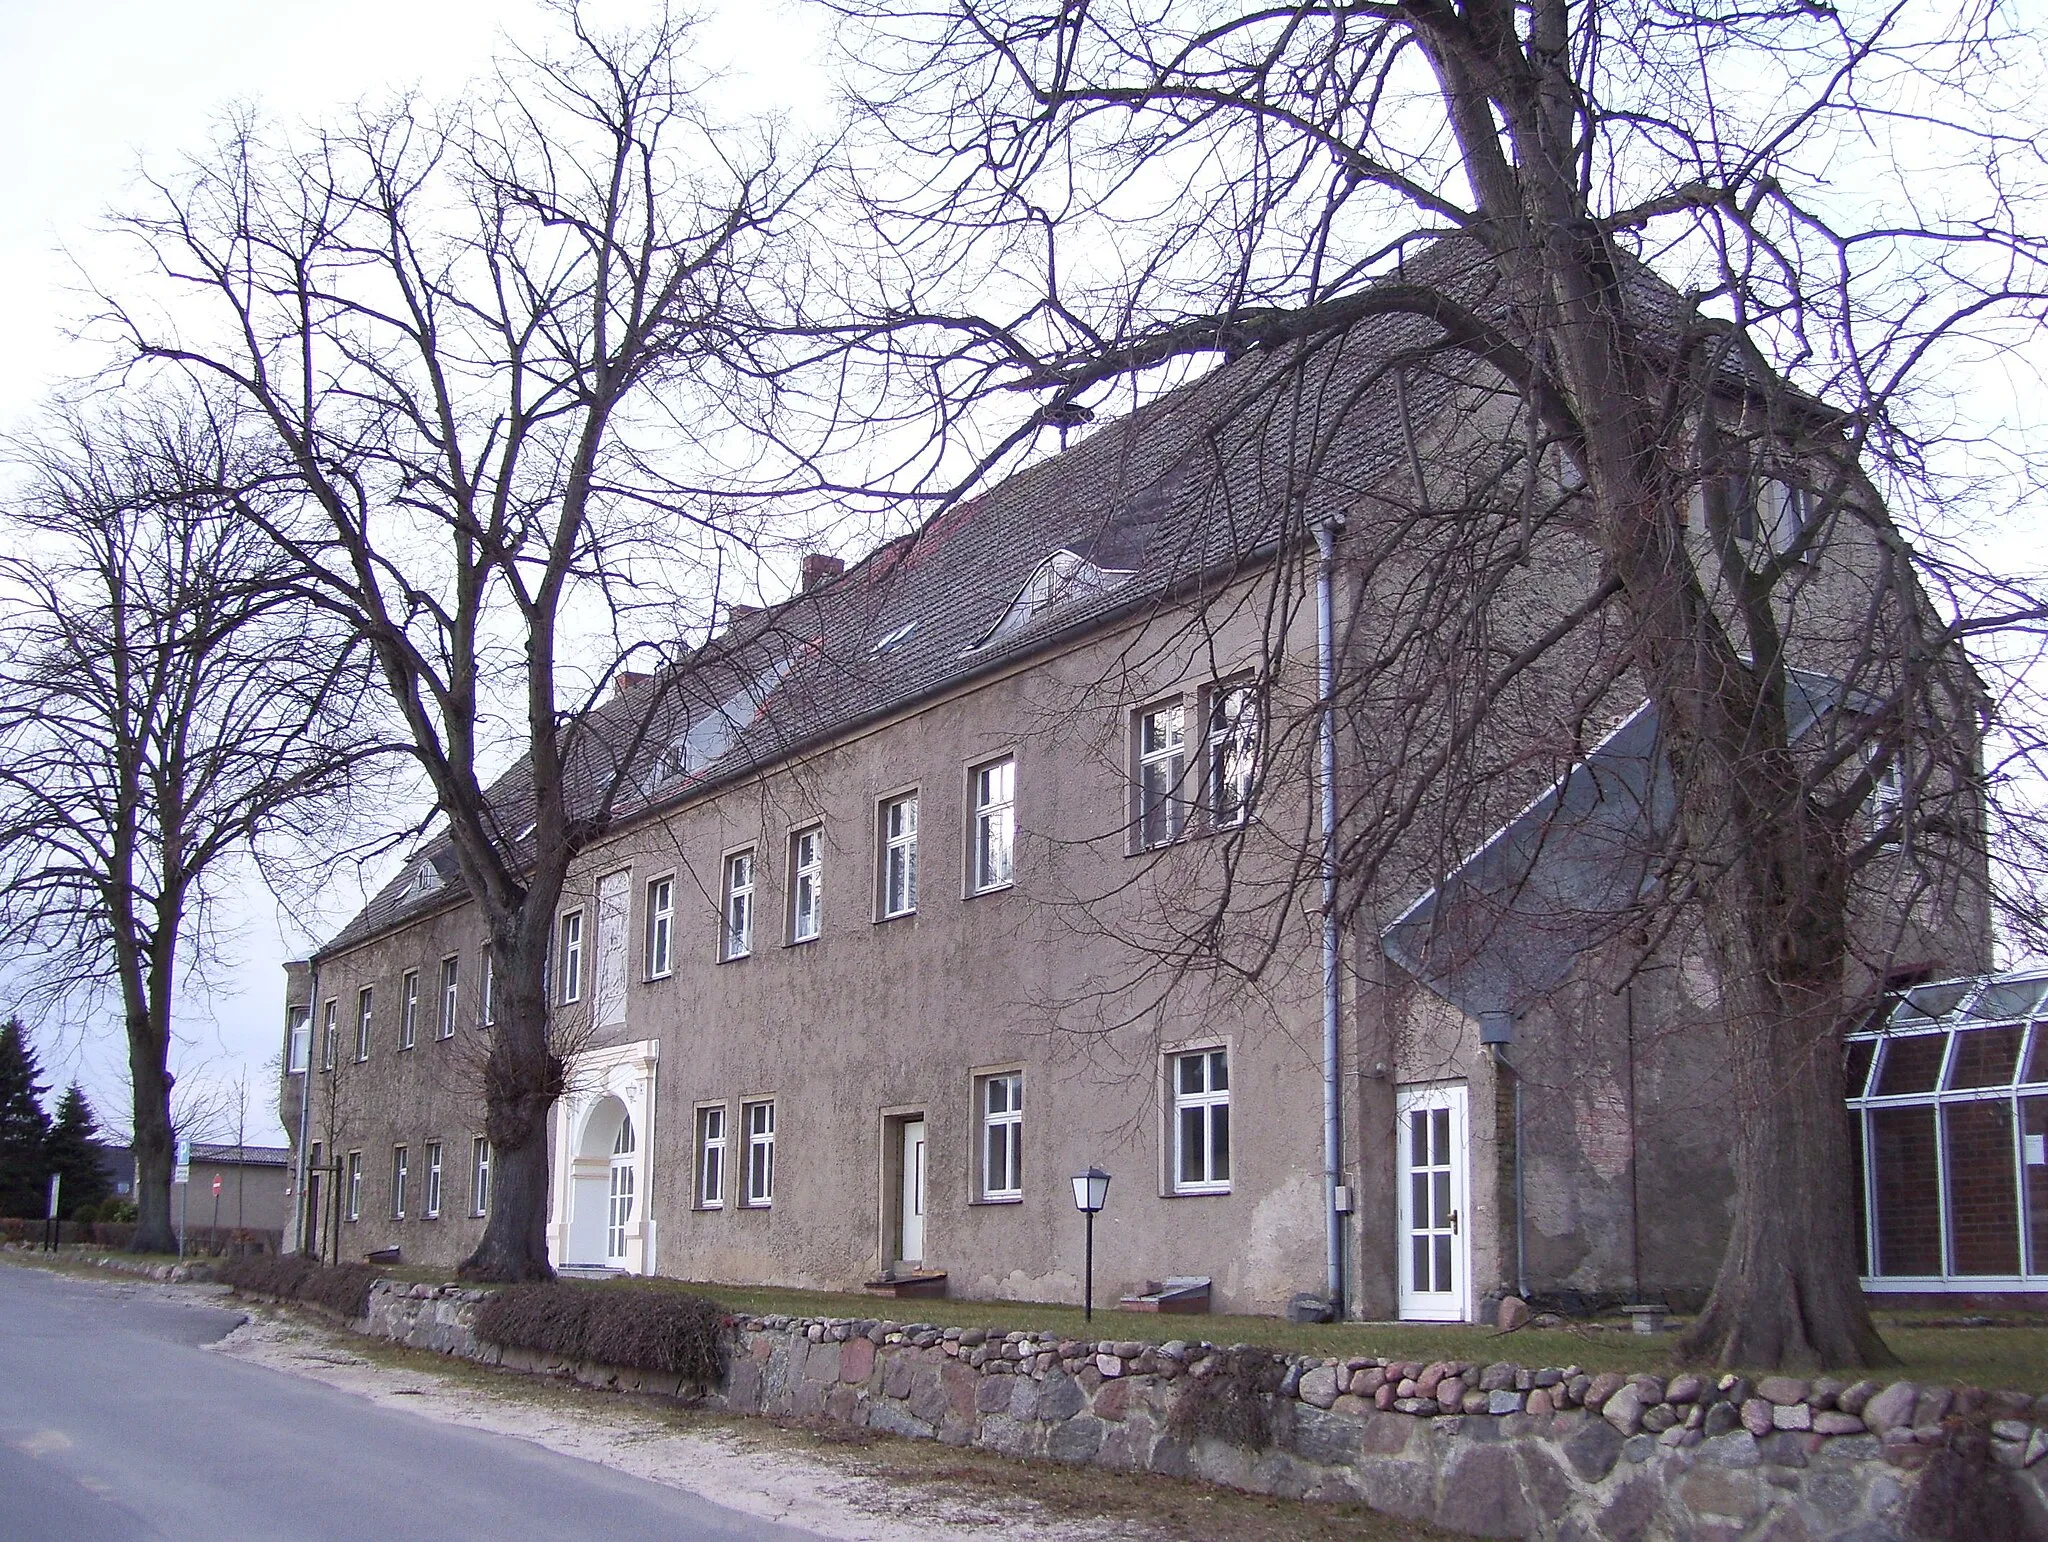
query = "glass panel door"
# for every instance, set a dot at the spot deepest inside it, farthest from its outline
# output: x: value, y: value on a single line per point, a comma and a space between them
x: 1434, y: 1250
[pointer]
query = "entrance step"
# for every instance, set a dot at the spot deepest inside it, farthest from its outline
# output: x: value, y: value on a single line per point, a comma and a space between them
x: 917, y: 1282
x: 1186, y: 1294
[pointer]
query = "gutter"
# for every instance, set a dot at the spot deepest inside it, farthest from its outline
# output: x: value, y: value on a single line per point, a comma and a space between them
x: 305, y: 1101
x: 1326, y: 734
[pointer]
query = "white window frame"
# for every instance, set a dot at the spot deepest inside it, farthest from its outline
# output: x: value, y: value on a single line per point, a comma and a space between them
x: 1159, y: 743
x: 451, y: 995
x: 299, y: 1046
x: 366, y: 1006
x: 896, y: 823
x: 713, y: 1142
x: 806, y: 884
x: 355, y: 1185
x: 993, y: 825
x: 408, y: 1009
x: 1205, y: 1103
x: 570, y: 930
x: 479, y: 1175
x: 1231, y: 733
x: 757, y: 1125
x: 487, y: 992
x: 330, y: 1033
x: 431, y: 1201
x: 661, y: 926
x: 401, y: 1173
x: 736, y: 906
x: 1004, y: 1128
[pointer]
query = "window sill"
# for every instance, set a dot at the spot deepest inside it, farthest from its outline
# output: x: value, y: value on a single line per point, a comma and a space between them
x: 897, y: 915
x: 736, y: 958
x: 656, y: 979
x: 994, y: 888
x: 802, y: 942
x: 998, y: 1199
x: 1201, y: 1191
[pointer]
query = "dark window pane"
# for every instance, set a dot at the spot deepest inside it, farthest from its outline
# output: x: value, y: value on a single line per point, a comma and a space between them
x: 2034, y: 1152
x: 1440, y: 1212
x: 1420, y: 1262
x: 1911, y: 1064
x: 1908, y: 1202
x: 1190, y: 1073
x: 1933, y: 1000
x: 1443, y: 1263
x: 1985, y: 1057
x: 1418, y: 1199
x: 1440, y: 1150
x: 1862, y: 1217
x: 1418, y: 1139
x: 1191, y: 1146
x: 2037, y: 1055
x: 1983, y: 1207
x: 1856, y: 1074
x: 2009, y: 998
x: 1219, y: 1071
x: 1219, y: 1145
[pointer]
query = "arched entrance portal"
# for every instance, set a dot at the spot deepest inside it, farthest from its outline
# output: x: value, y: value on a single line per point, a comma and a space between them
x: 603, y: 1140
x: 603, y: 1187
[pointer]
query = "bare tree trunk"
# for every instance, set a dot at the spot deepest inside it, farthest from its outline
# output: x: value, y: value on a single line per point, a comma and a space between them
x: 523, y: 1076
x: 152, y: 1139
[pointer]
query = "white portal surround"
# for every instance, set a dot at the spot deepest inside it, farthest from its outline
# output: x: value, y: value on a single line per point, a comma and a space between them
x: 602, y: 1084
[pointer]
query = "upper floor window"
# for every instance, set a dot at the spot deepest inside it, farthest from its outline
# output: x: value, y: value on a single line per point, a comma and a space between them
x: 364, y: 998
x: 1201, y: 1121
x: 1162, y: 763
x: 899, y: 856
x: 736, y: 923
x: 487, y: 987
x: 451, y: 981
x: 409, y: 1009
x: 330, y: 1035
x: 806, y: 884
x: 301, y: 1044
x: 572, y: 957
x: 995, y: 824
x: 661, y: 926
x: 1233, y: 767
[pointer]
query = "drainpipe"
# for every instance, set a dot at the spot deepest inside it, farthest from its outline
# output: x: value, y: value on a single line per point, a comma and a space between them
x: 305, y: 1101
x: 1326, y: 687
x: 1497, y: 1036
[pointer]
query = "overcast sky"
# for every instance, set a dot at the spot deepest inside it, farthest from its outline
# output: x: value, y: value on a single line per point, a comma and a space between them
x: 88, y: 93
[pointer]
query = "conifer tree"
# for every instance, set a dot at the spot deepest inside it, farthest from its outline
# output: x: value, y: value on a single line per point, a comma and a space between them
x: 24, y: 1128
x: 69, y: 1151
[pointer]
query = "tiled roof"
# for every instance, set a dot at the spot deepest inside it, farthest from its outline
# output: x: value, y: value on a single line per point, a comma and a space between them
x: 1179, y: 492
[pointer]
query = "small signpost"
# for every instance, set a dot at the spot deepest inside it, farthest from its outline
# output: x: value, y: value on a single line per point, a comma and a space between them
x: 50, y: 1223
x: 182, y: 1176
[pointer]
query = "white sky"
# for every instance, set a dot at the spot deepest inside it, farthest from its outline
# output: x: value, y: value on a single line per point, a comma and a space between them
x: 89, y: 92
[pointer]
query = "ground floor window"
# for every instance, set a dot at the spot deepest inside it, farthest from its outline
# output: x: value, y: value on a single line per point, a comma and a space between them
x: 400, y: 1169
x: 760, y: 1128
x: 355, y: 1185
x: 1948, y: 1120
x: 711, y: 1156
x: 1201, y: 1121
x: 1002, y: 1135
x: 479, y: 1176
x: 433, y: 1205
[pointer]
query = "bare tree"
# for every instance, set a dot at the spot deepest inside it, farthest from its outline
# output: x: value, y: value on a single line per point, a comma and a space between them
x: 481, y: 337
x: 168, y: 710
x: 1149, y: 189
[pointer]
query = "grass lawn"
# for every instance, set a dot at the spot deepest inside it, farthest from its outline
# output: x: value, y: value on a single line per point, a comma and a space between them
x: 2002, y: 1356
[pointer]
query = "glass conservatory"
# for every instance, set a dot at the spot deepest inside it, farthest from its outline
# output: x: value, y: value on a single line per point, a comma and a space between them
x: 1948, y: 1106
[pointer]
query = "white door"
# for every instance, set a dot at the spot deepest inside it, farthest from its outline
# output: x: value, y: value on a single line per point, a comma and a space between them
x: 1434, y: 1236
x: 912, y: 1250
x: 619, y: 1213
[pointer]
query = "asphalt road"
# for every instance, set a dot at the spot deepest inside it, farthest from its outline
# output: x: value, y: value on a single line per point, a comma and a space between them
x: 117, y: 1424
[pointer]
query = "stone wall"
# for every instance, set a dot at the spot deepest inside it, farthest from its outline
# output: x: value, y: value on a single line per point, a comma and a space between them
x: 1500, y: 1450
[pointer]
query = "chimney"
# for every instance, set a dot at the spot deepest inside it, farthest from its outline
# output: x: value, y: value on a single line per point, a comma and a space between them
x: 629, y: 681
x: 820, y: 566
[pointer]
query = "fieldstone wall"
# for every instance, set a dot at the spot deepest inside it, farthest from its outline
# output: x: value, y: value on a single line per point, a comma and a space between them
x: 1499, y: 1450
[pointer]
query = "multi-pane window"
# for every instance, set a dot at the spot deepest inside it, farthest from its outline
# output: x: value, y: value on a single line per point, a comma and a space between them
x: 661, y: 927
x: 1233, y: 767
x: 432, y: 1207
x: 355, y: 1185
x: 899, y: 856
x: 479, y: 1176
x: 711, y: 1156
x: 1002, y: 1136
x: 995, y: 824
x: 364, y: 997
x: 736, y: 923
x: 1161, y: 765
x: 401, y: 1169
x: 487, y: 987
x: 408, y: 1009
x: 330, y: 1035
x: 806, y: 884
x: 301, y: 1050
x: 451, y: 984
x: 619, y: 1212
x: 572, y: 957
x: 759, y: 1121
x: 1201, y: 1120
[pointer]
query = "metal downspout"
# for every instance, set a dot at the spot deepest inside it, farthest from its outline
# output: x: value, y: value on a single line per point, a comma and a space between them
x: 1326, y: 688
x: 1521, y: 1229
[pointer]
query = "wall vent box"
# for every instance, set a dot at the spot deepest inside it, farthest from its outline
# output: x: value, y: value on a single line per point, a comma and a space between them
x: 1341, y: 1200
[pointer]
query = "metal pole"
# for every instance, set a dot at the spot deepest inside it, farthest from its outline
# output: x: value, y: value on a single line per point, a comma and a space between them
x: 1088, y: 1288
x: 305, y: 1215
x: 1333, y: 1126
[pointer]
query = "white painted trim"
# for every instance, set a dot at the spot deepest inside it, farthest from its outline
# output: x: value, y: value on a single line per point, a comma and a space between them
x: 626, y: 1072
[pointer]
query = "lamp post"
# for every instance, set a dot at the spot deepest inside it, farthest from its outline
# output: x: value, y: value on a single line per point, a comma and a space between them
x: 1090, y: 1190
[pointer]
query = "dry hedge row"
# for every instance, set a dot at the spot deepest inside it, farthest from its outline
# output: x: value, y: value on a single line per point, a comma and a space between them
x: 343, y: 1288
x: 646, y: 1330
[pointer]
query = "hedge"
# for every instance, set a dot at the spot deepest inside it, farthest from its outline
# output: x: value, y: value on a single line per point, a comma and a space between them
x: 343, y: 1288
x: 646, y: 1330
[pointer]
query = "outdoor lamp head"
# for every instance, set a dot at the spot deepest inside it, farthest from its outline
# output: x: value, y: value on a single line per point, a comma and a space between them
x: 1090, y: 1190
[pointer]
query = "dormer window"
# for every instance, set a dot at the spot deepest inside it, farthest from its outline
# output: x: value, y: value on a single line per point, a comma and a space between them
x: 1062, y: 579
x: 426, y: 878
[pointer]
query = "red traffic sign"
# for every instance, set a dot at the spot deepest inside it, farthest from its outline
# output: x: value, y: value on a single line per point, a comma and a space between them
x: 216, y: 1183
